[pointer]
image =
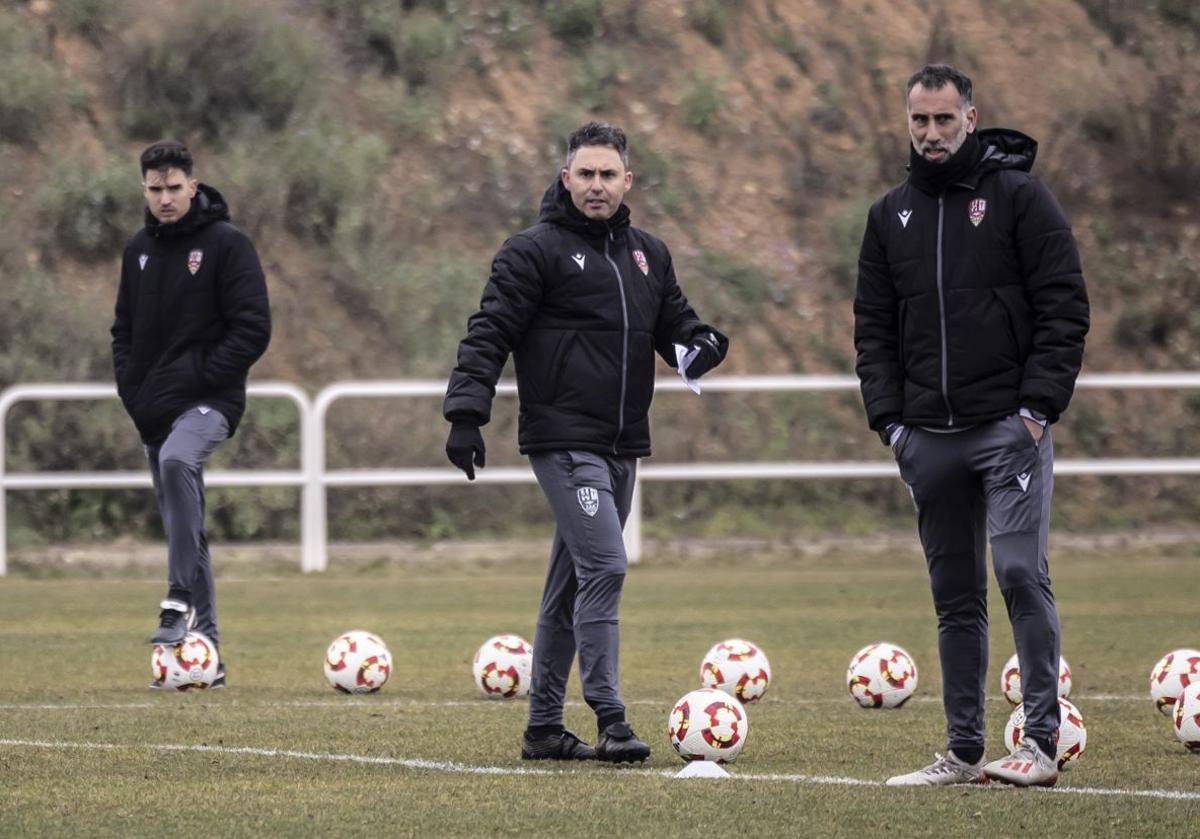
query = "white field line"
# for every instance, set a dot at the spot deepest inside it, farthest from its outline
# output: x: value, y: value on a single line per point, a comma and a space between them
x: 465, y: 768
x: 474, y: 703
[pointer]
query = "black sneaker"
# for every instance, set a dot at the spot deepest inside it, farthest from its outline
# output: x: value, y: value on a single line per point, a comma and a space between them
x: 173, y: 623
x: 618, y: 744
x: 218, y: 681
x: 564, y: 746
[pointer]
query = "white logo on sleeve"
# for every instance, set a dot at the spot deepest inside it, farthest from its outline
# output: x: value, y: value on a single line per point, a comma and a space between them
x: 589, y: 500
x: 905, y: 215
x: 142, y: 260
x: 1023, y: 481
x: 579, y: 258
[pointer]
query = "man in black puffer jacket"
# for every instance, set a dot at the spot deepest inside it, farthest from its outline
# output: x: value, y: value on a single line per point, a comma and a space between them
x: 970, y: 316
x: 583, y: 301
x: 191, y: 317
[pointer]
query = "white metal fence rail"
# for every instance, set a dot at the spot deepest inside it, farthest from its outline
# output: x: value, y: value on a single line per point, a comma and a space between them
x: 316, y: 479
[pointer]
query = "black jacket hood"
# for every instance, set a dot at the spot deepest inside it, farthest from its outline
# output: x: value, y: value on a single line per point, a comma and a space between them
x: 208, y: 206
x: 1004, y: 148
x: 558, y: 208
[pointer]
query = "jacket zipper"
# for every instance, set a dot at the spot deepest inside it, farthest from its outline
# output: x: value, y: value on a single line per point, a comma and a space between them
x: 942, y: 311
x: 624, y: 342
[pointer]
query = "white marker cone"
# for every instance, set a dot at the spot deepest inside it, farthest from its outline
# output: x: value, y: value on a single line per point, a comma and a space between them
x: 702, y: 769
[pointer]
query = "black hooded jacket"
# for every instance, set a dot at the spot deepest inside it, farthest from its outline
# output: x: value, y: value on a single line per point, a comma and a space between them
x: 971, y: 302
x: 191, y: 317
x: 582, y: 305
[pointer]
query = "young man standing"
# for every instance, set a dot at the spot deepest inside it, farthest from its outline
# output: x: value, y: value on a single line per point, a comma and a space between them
x: 192, y: 316
x: 583, y: 301
x: 969, y: 322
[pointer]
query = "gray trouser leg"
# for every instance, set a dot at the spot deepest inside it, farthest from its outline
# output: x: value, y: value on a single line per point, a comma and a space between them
x: 589, y: 495
x: 177, y: 468
x: 994, y: 480
x: 1019, y: 522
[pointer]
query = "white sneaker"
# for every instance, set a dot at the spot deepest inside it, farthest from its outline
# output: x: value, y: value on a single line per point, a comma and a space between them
x: 944, y: 771
x: 1028, y: 766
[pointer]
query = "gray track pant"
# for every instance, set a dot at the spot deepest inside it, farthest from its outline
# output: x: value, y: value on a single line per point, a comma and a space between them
x: 589, y: 495
x: 177, y: 467
x: 990, y: 481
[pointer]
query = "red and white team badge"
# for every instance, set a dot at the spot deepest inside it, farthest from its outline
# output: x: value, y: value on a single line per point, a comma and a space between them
x: 976, y: 210
x: 640, y: 259
x: 194, y: 259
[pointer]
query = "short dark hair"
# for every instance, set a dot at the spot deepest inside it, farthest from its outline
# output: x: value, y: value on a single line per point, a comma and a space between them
x: 598, y: 134
x: 937, y: 76
x: 167, y: 154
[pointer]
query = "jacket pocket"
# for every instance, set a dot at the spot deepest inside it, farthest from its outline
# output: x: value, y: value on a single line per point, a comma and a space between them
x: 560, y: 368
x: 1016, y: 320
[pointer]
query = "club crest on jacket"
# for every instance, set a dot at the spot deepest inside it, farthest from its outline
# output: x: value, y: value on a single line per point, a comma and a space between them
x: 194, y: 259
x: 976, y: 210
x: 640, y: 259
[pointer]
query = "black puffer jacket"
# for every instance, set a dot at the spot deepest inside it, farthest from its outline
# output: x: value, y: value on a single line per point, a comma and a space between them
x: 192, y: 315
x: 971, y: 302
x: 582, y: 305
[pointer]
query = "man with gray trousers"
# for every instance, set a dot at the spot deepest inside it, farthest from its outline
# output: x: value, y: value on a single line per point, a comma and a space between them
x: 969, y: 322
x: 191, y: 317
x: 582, y: 301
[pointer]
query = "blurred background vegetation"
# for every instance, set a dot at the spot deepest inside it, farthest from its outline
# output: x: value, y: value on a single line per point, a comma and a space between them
x: 379, y: 151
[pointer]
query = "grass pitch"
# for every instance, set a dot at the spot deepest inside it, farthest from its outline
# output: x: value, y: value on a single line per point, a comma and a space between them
x: 88, y: 750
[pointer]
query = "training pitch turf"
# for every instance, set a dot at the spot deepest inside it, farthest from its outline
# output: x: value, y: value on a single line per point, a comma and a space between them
x: 86, y: 749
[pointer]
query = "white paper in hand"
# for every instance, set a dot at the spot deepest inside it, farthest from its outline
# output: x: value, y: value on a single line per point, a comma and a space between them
x: 683, y: 357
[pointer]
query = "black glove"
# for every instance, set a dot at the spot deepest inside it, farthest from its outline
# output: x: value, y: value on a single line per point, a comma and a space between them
x: 464, y: 447
x: 708, y: 357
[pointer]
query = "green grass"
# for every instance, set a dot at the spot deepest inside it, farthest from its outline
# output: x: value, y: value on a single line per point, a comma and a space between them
x: 73, y: 670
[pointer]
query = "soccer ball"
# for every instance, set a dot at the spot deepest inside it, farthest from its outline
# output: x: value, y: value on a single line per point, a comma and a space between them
x: 192, y: 663
x: 1072, y: 734
x: 738, y: 667
x: 357, y: 662
x: 708, y: 724
x: 881, y: 676
x: 1187, y: 717
x: 503, y: 666
x: 1010, y: 679
x: 1174, y: 672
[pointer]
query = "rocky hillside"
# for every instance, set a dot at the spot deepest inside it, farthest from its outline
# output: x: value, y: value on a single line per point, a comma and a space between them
x: 380, y: 151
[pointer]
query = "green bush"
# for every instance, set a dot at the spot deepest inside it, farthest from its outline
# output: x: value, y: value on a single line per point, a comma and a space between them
x: 842, y: 257
x: 30, y: 88
x: 574, y: 22
x: 710, y: 17
x: 409, y: 44
x: 91, y: 211
x: 214, y: 68
x: 91, y: 18
x: 593, y: 81
x: 329, y: 178
x: 703, y: 104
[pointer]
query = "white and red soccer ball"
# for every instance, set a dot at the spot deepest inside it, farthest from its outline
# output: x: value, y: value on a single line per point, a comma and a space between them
x: 503, y: 666
x: 1072, y: 733
x: 881, y: 675
x: 1186, y: 717
x: 191, y: 664
x: 708, y: 724
x: 357, y: 662
x: 737, y: 667
x: 1173, y: 672
x: 1010, y: 679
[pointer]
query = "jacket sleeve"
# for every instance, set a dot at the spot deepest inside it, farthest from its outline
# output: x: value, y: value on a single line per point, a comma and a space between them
x: 1054, y: 286
x: 677, y: 321
x: 245, y: 314
x: 122, y: 328
x: 877, y: 331
x: 510, y: 298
